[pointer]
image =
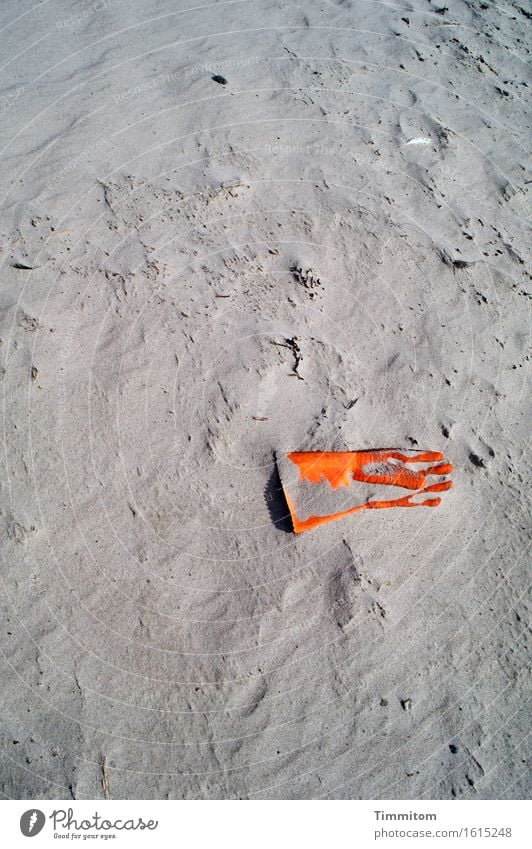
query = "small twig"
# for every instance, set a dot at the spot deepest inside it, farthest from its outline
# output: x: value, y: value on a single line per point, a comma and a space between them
x: 292, y: 345
x: 105, y: 778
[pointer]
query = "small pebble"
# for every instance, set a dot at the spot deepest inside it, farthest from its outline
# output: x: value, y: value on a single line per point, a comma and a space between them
x: 219, y: 79
x: 476, y: 460
x: 453, y: 748
x: 406, y: 704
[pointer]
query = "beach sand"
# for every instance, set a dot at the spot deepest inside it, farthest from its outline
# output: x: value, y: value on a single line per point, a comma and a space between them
x: 351, y: 189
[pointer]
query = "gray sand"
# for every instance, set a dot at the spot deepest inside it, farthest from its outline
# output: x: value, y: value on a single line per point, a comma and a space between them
x: 358, y: 185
